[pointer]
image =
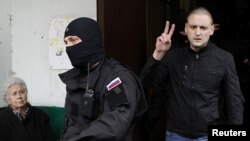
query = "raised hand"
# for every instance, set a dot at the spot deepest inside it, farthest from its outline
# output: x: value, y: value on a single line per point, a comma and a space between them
x: 163, y: 42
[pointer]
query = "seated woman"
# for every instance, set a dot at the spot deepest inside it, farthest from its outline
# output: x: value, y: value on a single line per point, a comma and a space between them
x: 20, y: 121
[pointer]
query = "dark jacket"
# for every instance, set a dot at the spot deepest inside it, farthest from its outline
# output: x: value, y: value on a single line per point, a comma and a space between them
x: 200, y: 85
x: 35, y: 127
x: 117, y: 103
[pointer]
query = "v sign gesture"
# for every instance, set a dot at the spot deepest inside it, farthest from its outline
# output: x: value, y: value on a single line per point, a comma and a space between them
x: 163, y: 42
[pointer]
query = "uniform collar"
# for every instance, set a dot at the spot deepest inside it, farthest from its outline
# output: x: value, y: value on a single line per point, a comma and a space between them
x: 76, y: 78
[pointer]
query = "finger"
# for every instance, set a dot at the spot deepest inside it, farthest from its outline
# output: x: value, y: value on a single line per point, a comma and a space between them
x: 161, y: 39
x: 171, y: 30
x: 166, y: 27
x: 166, y: 37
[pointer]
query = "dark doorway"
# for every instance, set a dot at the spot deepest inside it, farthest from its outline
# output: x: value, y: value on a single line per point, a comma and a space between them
x: 123, y: 24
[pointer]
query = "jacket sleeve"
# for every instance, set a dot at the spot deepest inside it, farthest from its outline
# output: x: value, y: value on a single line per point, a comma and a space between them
x: 233, y: 97
x: 153, y: 72
x: 157, y: 105
x: 114, y: 123
x: 47, y: 134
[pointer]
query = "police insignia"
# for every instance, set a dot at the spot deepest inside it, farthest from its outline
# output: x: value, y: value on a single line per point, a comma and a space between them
x: 117, y: 81
x: 117, y: 97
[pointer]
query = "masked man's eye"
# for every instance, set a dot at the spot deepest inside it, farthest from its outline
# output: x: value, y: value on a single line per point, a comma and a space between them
x: 72, y: 40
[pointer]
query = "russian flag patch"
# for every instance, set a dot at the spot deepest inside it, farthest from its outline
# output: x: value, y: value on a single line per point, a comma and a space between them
x: 117, y: 81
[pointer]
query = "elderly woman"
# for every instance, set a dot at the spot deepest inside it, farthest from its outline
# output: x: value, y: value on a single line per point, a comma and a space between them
x: 20, y: 121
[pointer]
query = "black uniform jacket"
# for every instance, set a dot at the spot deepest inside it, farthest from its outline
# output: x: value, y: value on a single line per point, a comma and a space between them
x: 118, y: 102
x: 200, y: 84
x: 35, y: 127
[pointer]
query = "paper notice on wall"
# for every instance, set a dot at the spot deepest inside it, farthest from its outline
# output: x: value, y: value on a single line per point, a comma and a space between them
x: 58, y: 59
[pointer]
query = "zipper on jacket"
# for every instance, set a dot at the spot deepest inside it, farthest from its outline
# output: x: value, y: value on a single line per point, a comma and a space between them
x: 193, y: 71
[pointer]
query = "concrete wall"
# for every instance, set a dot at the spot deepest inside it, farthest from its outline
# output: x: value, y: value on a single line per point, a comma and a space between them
x: 25, y: 39
x: 5, y: 43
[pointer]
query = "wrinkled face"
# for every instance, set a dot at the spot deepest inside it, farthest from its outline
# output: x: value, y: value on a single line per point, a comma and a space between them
x: 16, y: 96
x: 199, y: 28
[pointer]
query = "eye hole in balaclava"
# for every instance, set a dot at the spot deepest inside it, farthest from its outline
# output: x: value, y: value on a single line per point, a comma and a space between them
x: 90, y: 50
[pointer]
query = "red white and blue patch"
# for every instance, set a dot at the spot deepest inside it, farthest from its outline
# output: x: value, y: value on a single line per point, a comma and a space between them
x: 114, y: 83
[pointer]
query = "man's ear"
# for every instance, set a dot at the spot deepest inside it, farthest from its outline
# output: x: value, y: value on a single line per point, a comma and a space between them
x: 212, y: 30
x: 185, y: 28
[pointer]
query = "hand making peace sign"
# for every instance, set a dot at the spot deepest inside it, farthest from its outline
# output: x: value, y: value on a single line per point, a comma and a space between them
x: 163, y: 42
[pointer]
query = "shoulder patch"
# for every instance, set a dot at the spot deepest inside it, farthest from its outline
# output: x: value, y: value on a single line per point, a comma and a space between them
x: 115, y: 82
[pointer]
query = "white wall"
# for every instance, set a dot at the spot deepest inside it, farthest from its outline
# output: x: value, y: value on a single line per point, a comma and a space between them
x: 29, y: 32
x: 5, y: 42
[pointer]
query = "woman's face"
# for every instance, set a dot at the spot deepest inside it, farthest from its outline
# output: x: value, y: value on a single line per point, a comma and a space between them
x: 17, y: 97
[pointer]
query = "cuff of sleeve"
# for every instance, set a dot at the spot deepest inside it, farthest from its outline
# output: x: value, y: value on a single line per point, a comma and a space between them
x: 153, y: 61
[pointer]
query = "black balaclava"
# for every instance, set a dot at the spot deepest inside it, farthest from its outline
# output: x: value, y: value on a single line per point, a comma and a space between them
x: 90, y: 50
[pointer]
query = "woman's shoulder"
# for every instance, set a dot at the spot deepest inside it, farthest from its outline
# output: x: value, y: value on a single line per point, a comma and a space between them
x: 4, y: 112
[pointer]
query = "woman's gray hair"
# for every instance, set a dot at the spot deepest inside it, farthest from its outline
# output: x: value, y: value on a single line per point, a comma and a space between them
x: 13, y: 81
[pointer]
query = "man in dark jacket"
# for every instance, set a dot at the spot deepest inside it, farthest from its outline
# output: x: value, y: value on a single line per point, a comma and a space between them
x: 104, y: 99
x: 201, y: 80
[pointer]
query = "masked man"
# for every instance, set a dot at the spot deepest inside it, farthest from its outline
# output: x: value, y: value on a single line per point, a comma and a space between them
x: 104, y: 99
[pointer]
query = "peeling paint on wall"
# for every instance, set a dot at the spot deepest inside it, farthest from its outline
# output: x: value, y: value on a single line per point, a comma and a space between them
x: 10, y: 18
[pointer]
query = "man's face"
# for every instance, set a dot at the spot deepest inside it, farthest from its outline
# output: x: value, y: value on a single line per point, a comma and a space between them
x: 199, y: 28
x: 72, y: 40
x: 16, y: 96
x: 83, y: 39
